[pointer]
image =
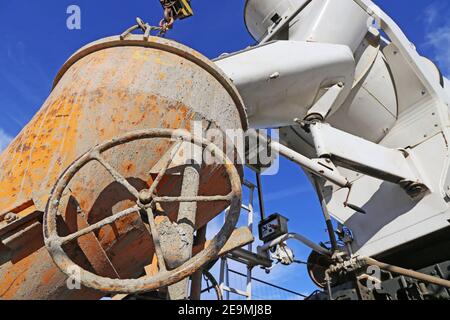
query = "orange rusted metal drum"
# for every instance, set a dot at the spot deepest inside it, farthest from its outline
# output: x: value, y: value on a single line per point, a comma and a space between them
x: 107, y: 89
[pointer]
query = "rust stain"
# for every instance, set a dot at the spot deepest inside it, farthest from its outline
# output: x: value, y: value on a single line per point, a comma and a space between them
x: 12, y: 280
x: 104, y: 95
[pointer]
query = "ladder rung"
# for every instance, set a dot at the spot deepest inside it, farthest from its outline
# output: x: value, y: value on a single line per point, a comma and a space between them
x: 235, y: 291
x: 249, y: 185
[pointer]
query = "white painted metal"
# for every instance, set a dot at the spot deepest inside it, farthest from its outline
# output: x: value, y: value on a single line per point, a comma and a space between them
x: 224, y: 279
x: 281, y: 81
x: 363, y: 156
x: 261, y: 14
x: 263, y: 250
x: 224, y: 268
x: 250, y: 246
x: 447, y: 86
x: 318, y: 21
x: 326, y: 103
x: 395, y: 99
x: 405, y: 49
x: 319, y: 167
x: 432, y: 70
x: 370, y: 111
x: 322, y: 21
x: 393, y: 219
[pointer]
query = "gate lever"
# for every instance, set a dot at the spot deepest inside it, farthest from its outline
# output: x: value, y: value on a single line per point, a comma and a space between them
x: 352, y: 206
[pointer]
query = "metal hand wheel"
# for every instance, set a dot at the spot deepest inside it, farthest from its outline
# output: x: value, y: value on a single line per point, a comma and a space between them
x: 145, y: 202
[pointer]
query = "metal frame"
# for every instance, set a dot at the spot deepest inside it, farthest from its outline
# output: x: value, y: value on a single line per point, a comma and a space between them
x: 375, y: 160
x: 224, y: 270
x: 270, y: 284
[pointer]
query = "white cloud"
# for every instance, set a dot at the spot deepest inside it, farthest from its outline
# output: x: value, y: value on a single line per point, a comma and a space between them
x: 439, y: 40
x: 4, y: 140
x: 431, y: 13
x: 437, y: 36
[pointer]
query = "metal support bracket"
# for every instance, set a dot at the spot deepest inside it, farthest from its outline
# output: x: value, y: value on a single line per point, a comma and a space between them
x: 357, y: 154
x: 318, y: 167
x: 262, y: 250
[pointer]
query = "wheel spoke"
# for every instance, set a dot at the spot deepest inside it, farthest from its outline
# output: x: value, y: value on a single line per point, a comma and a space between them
x: 116, y: 175
x: 156, y: 241
x: 98, y: 225
x: 163, y: 171
x: 195, y: 199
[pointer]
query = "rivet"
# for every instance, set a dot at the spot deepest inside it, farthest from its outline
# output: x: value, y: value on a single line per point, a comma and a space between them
x: 11, y: 217
x: 274, y: 75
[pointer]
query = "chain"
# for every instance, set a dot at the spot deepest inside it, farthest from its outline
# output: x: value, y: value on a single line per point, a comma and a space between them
x: 146, y: 29
x: 167, y: 22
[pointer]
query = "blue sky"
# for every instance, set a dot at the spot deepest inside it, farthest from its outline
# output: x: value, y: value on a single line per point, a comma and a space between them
x: 34, y: 43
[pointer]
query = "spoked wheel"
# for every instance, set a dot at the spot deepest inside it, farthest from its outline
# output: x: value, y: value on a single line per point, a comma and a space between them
x: 214, y: 284
x: 146, y: 201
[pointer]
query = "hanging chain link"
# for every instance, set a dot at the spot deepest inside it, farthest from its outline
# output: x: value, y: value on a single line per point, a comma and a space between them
x: 146, y: 28
x: 173, y: 10
x: 169, y: 16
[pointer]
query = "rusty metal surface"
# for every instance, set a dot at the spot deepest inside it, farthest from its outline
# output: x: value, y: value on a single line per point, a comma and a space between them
x: 187, y: 213
x: 166, y: 277
x: 107, y: 89
x: 196, y: 278
x: 229, y: 112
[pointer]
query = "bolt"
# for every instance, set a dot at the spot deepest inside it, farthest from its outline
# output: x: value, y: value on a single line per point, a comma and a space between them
x: 274, y: 75
x: 11, y: 217
x: 145, y: 197
x: 415, y: 189
x: 404, y: 152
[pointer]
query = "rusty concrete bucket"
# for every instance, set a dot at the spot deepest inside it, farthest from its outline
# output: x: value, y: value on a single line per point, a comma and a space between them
x: 98, y: 169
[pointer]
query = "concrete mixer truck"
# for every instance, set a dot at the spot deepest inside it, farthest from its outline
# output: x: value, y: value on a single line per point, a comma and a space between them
x: 106, y: 184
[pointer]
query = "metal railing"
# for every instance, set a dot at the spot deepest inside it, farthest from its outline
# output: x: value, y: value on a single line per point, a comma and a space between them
x: 262, y: 290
